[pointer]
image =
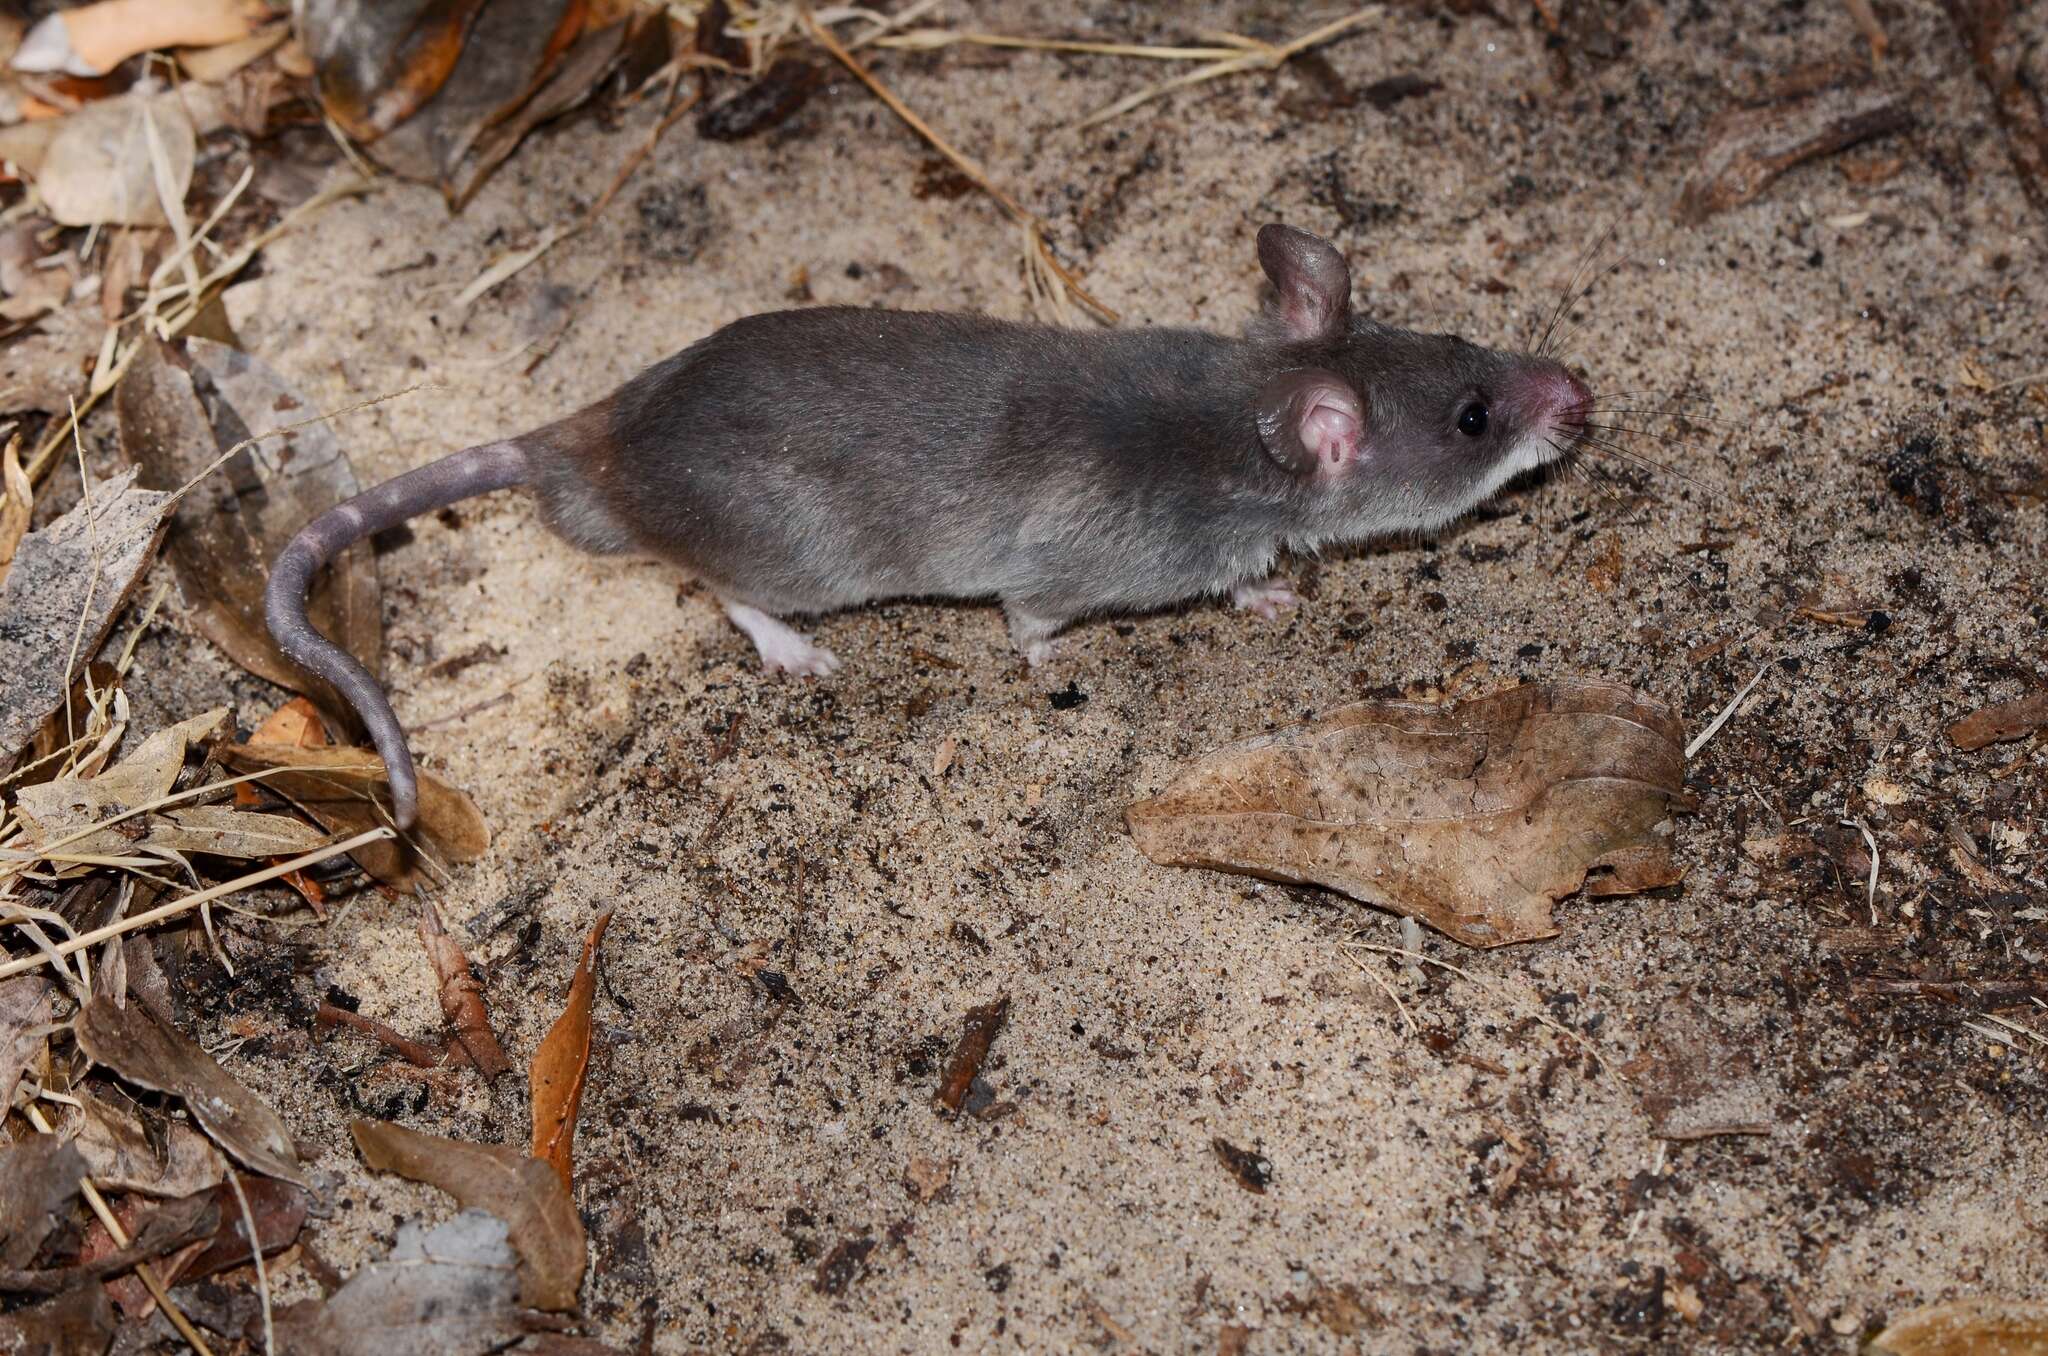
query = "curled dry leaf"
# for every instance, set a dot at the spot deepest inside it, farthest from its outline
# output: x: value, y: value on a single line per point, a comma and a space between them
x: 346, y: 790
x: 978, y: 1034
x: 166, y: 1158
x: 180, y: 409
x: 1748, y: 148
x: 562, y: 1063
x: 521, y: 1190
x: 144, y: 1051
x: 462, y: 996
x: 1984, y: 1326
x: 93, y: 39
x: 442, y: 92
x: 69, y: 582
x: 443, y: 1292
x: 1472, y: 816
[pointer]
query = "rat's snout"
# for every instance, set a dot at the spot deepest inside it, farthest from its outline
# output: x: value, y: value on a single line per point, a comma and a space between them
x: 1569, y: 401
x: 1550, y: 400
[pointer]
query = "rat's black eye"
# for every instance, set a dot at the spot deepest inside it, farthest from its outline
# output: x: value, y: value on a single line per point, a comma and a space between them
x: 1472, y: 420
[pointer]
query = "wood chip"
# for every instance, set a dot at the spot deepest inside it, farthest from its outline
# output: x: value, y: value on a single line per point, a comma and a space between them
x: 2015, y: 719
x: 982, y: 1026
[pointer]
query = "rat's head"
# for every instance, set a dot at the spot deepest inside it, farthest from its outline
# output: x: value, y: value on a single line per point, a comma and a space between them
x: 1408, y: 430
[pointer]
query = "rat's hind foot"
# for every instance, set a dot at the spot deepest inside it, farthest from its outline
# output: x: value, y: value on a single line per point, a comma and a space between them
x: 779, y: 646
x: 1033, y: 635
x: 1267, y: 597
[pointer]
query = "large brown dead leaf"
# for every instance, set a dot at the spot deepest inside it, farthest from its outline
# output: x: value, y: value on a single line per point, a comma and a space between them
x: 1472, y: 816
x: 141, y: 1049
x: 444, y: 1292
x: 69, y: 582
x: 521, y: 1190
x: 562, y: 1063
x: 1985, y: 1326
x: 442, y: 90
x: 336, y: 786
x: 180, y: 409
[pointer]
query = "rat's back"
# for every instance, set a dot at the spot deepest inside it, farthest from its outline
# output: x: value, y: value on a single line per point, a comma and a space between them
x: 809, y: 460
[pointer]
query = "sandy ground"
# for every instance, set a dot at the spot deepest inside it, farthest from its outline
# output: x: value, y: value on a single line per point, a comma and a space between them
x: 1483, y: 1185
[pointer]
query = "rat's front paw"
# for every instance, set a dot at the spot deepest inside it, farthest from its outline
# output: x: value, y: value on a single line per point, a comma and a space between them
x: 1268, y: 598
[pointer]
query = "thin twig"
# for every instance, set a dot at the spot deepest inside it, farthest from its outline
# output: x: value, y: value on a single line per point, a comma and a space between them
x: 1388, y: 990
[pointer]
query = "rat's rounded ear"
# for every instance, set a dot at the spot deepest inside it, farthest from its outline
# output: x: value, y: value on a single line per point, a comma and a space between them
x: 1310, y: 420
x: 1311, y: 284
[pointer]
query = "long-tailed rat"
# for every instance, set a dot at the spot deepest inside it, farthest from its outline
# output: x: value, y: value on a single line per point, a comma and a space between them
x: 803, y: 461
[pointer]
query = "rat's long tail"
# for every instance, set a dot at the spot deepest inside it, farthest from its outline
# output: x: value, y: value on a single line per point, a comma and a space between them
x: 474, y: 471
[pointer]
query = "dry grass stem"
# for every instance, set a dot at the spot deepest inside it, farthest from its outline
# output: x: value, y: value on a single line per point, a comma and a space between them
x: 256, y: 1260
x: 1038, y: 254
x: 1256, y: 56
x: 933, y: 39
x: 1714, y: 726
x: 1387, y: 989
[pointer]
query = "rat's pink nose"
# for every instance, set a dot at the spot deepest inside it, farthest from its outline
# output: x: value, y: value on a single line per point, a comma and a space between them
x: 1573, y: 400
